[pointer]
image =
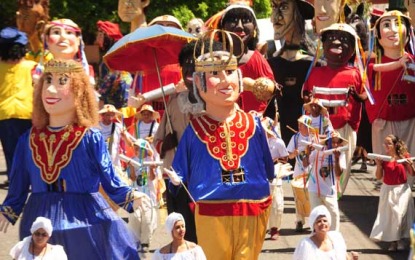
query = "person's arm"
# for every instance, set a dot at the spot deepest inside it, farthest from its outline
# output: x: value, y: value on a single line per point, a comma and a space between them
x: 379, y: 169
x: 337, y: 169
x: 393, y: 65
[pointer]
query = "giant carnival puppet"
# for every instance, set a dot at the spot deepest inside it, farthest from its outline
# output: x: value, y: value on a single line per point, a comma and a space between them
x: 392, y: 80
x: 133, y: 11
x: 224, y: 160
x: 240, y: 19
x: 292, y: 62
x: 339, y: 85
x: 62, y: 161
x: 31, y: 18
x: 326, y: 12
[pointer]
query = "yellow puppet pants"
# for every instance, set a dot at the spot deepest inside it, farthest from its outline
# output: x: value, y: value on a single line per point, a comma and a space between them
x: 231, y: 237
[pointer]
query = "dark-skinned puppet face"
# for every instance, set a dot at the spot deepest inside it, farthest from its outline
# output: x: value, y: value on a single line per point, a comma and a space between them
x: 339, y: 44
x: 241, y: 20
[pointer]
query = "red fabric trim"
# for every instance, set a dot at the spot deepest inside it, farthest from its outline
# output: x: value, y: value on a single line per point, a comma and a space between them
x: 58, y: 151
x: 244, y: 208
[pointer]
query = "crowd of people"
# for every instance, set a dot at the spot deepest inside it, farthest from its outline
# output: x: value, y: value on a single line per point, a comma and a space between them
x: 214, y: 143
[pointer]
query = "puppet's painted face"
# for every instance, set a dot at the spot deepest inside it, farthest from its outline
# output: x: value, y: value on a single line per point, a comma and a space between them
x: 222, y: 88
x: 57, y: 96
x: 195, y: 27
x: 27, y: 19
x: 63, y: 42
x: 282, y: 17
x: 128, y: 10
x: 410, y: 5
x: 240, y: 22
x: 326, y: 12
x: 338, y: 47
x: 389, y: 37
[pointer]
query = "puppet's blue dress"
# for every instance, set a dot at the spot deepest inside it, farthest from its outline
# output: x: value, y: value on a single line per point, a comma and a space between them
x: 63, y: 169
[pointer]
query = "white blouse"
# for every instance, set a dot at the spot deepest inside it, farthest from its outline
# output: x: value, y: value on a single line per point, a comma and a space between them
x: 21, y: 251
x: 195, y: 253
x: 307, y: 250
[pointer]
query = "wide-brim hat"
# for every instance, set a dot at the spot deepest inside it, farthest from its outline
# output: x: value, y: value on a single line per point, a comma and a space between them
x: 306, y: 9
x: 391, y: 14
x: 269, y: 126
x: 305, y: 120
x: 340, y: 27
x: 13, y: 35
x: 108, y: 108
x: 146, y: 107
x: 317, y: 102
x: 334, y: 134
x: 166, y: 18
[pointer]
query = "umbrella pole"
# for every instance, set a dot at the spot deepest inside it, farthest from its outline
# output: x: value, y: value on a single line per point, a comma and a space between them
x: 170, y: 127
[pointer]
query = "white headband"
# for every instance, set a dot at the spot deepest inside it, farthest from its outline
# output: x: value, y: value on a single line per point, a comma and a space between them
x: 44, y: 223
x: 317, y: 212
x: 171, y: 220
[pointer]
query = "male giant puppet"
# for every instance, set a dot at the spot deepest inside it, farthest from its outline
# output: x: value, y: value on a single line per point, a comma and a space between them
x: 224, y: 159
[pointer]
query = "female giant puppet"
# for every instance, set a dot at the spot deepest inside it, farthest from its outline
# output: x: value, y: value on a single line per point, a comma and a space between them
x: 224, y: 159
x: 393, y: 82
x: 62, y: 160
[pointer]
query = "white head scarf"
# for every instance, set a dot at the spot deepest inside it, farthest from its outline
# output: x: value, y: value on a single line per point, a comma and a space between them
x: 317, y: 212
x: 44, y: 223
x: 171, y: 220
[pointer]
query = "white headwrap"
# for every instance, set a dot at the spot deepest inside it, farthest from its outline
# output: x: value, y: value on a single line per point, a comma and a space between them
x: 317, y: 212
x: 44, y: 223
x: 171, y: 220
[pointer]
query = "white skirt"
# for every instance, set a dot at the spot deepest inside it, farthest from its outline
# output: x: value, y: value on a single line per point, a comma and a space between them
x: 395, y: 213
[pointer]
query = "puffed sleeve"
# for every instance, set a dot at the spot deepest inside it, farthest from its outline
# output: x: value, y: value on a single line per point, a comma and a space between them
x: 199, y: 254
x: 59, y: 253
x: 19, y: 181
x: 304, y: 250
x: 116, y: 189
x: 339, y: 244
x: 17, y: 249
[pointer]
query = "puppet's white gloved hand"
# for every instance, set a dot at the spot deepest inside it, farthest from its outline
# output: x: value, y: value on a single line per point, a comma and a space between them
x: 282, y: 170
x: 4, y: 222
x: 141, y: 200
x: 174, y: 178
x: 137, y: 101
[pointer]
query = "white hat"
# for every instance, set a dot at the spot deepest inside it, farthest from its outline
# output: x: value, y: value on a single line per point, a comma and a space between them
x: 171, y: 220
x: 44, y: 223
x: 108, y: 108
x: 317, y: 212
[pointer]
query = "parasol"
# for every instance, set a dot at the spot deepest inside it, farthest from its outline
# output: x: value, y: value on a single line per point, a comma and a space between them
x: 148, y: 48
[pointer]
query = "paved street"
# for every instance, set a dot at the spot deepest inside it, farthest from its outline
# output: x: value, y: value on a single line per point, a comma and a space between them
x: 358, y: 206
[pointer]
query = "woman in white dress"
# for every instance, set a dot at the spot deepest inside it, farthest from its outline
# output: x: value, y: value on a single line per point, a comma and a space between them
x: 179, y: 248
x: 322, y: 244
x: 36, y: 246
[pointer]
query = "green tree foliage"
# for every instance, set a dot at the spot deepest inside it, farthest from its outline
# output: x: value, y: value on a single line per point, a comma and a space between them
x: 87, y: 12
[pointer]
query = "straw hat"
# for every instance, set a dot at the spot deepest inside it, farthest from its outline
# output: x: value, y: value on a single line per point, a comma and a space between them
x: 318, y: 102
x: 268, y: 125
x: 334, y: 134
x: 340, y: 27
x: 108, y: 108
x: 305, y: 120
x: 166, y: 18
x: 146, y: 107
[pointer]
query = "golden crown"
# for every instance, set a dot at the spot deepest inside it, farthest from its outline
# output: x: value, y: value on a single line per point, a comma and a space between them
x: 216, y: 60
x: 62, y: 66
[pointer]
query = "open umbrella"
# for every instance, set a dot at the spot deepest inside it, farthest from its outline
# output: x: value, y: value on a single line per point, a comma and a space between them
x: 147, y: 48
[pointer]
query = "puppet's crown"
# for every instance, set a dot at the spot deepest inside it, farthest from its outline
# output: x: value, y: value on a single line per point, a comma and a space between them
x: 63, y: 66
x: 214, y: 60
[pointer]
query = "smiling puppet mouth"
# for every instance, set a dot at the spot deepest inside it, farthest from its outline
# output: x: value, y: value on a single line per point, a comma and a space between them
x: 51, y: 101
